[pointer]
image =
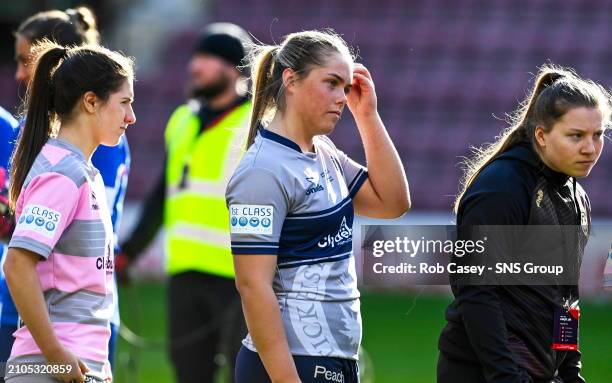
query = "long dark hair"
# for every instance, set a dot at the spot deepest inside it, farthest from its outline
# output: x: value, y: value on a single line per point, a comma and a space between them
x: 61, y: 76
x: 555, y: 92
x: 300, y: 51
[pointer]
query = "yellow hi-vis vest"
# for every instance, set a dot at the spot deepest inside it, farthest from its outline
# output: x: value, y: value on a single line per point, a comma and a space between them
x: 198, y: 169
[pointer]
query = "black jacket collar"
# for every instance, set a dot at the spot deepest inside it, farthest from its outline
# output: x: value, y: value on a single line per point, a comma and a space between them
x: 524, y: 152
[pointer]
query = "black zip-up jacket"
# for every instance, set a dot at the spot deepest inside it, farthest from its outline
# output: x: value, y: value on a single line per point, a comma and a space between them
x: 508, y: 330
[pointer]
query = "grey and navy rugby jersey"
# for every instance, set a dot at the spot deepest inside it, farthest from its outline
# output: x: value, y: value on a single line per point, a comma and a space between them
x: 299, y: 207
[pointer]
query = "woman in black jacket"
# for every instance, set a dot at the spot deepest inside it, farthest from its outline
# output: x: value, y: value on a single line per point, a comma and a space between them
x: 501, y: 333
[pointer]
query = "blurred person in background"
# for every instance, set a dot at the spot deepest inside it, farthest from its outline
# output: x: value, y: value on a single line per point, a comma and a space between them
x: 292, y: 201
x: 9, y: 129
x: 59, y: 265
x: 68, y: 28
x: 203, y: 141
x: 527, y: 177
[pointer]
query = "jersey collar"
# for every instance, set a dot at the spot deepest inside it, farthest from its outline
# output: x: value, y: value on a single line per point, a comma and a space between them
x: 68, y: 146
x: 265, y: 133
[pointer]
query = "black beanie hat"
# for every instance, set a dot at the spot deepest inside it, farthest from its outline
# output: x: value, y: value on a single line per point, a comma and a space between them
x: 225, y: 40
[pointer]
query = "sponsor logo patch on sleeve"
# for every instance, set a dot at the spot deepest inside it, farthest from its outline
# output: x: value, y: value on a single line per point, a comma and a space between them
x: 40, y: 219
x: 251, y: 219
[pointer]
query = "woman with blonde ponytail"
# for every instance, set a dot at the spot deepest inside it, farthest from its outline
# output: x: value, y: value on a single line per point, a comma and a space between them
x: 292, y: 200
x: 504, y: 333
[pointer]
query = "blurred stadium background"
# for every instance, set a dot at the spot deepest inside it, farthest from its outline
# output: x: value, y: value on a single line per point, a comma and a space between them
x: 447, y: 73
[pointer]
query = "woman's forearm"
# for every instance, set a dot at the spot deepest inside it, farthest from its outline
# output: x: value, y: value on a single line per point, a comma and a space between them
x: 385, y: 169
x: 26, y: 291
x: 266, y: 328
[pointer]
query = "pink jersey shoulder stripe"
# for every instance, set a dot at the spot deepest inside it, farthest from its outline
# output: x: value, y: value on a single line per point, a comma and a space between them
x: 44, y: 209
x: 54, y: 154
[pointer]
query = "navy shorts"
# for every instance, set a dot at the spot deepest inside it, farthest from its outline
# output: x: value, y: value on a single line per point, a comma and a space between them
x: 311, y: 369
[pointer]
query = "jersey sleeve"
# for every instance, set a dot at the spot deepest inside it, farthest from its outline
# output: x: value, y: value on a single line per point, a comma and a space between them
x: 354, y: 174
x: 258, y: 205
x: 47, y: 206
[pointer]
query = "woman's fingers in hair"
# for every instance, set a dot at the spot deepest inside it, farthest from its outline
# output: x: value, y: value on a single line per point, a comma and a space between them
x: 362, y: 98
x: 360, y: 68
x: 363, y: 82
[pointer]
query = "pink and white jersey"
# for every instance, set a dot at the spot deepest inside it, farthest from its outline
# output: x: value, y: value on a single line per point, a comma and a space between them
x: 62, y: 215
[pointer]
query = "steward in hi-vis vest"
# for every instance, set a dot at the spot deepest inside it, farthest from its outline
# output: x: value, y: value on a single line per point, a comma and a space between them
x: 199, y: 165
